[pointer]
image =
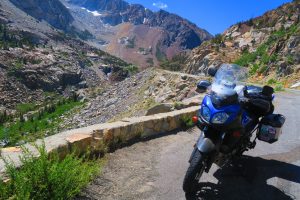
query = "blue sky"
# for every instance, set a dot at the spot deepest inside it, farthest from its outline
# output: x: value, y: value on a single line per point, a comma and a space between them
x: 213, y: 15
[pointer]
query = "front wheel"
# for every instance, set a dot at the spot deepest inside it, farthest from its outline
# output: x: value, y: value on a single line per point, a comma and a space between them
x: 194, y: 172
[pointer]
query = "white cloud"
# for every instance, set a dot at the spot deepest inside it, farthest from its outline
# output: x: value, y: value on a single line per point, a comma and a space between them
x: 160, y: 5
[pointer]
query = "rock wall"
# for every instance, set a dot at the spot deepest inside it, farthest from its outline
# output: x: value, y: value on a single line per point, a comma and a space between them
x: 102, y: 138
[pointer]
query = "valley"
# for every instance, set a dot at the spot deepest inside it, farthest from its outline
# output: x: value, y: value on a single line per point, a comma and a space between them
x: 46, y: 59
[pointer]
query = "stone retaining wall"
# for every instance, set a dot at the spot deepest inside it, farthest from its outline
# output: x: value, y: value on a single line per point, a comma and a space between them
x: 103, y: 137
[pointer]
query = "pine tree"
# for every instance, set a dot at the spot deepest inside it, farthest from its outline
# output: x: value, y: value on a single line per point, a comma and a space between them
x: 22, y: 118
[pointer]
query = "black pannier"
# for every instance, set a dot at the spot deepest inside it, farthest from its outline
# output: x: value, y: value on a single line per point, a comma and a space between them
x: 270, y: 128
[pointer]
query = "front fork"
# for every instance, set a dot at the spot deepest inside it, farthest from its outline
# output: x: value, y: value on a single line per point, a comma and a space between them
x: 209, y: 148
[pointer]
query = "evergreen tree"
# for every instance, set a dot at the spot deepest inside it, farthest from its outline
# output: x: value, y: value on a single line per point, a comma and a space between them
x: 22, y: 118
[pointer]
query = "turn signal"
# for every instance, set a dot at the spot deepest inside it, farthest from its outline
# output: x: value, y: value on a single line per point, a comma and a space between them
x: 236, y: 134
x: 195, y: 119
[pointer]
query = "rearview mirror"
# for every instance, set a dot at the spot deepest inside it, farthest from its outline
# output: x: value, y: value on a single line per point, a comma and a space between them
x: 212, y: 71
x: 202, y: 86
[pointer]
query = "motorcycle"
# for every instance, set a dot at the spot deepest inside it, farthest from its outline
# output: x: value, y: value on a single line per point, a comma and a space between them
x: 230, y: 114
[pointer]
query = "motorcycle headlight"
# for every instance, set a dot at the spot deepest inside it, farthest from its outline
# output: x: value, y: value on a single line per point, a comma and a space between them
x: 206, y: 113
x: 220, y: 118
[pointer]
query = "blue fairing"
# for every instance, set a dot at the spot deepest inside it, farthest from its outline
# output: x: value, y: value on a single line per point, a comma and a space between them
x: 248, y: 122
x: 245, y: 119
x: 232, y: 110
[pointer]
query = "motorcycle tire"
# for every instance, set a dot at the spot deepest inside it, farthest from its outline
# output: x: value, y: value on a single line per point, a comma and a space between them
x: 193, y: 173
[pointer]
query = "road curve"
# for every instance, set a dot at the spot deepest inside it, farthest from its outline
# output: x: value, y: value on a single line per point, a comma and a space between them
x: 155, y: 169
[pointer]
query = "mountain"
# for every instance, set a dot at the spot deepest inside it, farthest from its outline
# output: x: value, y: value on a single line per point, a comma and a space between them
x: 103, y: 5
x: 135, y: 33
x: 52, y: 11
x: 268, y: 45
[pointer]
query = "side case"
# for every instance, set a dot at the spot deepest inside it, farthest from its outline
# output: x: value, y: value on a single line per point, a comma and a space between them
x: 270, y: 128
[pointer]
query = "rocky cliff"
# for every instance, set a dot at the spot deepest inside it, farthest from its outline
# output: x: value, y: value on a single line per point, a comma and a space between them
x: 268, y: 45
x: 52, y: 11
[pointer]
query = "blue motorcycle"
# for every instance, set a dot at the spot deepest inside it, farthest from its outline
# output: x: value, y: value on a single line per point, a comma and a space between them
x: 229, y: 116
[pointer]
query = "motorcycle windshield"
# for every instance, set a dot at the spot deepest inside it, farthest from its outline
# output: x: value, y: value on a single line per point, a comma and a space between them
x: 228, y: 79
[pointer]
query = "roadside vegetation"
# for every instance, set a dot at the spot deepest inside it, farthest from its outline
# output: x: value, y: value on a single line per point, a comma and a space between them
x: 261, y: 61
x: 258, y: 61
x: 43, y: 121
x: 48, y: 177
x: 187, y: 122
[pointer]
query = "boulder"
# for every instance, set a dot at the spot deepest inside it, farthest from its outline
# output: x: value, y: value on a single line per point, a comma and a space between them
x: 162, y: 79
x: 161, y: 108
x: 184, y: 77
x: 182, y: 85
x: 296, y: 85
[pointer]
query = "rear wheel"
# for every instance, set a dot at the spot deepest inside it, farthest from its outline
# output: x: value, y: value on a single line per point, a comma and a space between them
x: 194, y: 172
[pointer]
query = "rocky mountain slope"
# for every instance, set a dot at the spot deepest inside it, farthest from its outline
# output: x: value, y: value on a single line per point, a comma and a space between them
x: 154, y: 89
x: 36, y: 59
x: 268, y: 45
x: 52, y: 11
x: 134, y: 33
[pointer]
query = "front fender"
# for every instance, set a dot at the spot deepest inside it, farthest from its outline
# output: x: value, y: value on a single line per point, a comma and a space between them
x: 205, y: 145
x: 208, y: 144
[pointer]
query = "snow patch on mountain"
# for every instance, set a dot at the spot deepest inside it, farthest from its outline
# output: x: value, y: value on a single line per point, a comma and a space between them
x: 95, y: 13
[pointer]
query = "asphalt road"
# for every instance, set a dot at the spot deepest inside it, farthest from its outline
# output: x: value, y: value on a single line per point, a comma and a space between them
x: 155, y: 169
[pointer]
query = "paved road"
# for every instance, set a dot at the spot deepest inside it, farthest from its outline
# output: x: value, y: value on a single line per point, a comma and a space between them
x: 155, y: 169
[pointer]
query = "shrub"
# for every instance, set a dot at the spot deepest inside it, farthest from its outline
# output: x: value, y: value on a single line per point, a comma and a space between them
x: 249, y: 22
x: 35, y: 61
x: 131, y: 69
x: 273, y: 57
x: 265, y: 59
x: 253, y: 69
x: 25, y: 107
x: 290, y: 59
x: 84, y: 60
x: 263, y: 69
x: 271, y: 81
x: 178, y: 105
x: 218, y: 39
x: 47, y: 178
x: 279, y: 87
x: 4, y: 117
x: 187, y: 121
x: 177, y: 63
x: 246, y: 59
